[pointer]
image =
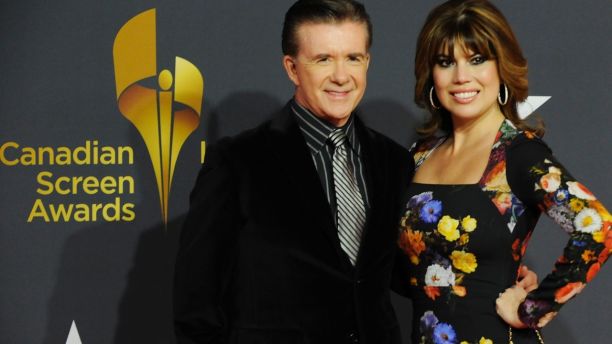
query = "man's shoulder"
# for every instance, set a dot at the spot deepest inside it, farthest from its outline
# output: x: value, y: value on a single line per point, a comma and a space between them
x: 250, y: 140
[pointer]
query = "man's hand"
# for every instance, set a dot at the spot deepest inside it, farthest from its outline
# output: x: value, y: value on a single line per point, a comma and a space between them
x: 527, y: 279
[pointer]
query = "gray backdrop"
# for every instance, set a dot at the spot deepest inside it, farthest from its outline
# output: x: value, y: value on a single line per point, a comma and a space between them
x: 114, y: 278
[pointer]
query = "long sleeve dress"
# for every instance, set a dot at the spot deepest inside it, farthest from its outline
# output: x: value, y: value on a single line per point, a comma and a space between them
x: 464, y: 243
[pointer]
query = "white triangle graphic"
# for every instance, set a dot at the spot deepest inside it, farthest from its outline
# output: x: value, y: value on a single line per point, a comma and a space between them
x: 73, y: 335
x: 527, y: 107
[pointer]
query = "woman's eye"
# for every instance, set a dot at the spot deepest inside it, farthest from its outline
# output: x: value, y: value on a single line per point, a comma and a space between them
x: 444, y: 62
x: 478, y: 59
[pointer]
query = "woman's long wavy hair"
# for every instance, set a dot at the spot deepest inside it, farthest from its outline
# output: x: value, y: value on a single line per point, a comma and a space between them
x: 479, y: 26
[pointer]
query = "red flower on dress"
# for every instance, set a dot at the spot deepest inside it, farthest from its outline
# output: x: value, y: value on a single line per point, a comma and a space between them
x: 432, y: 292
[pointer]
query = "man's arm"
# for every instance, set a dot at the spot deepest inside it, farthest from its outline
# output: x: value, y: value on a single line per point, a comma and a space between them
x: 204, y: 261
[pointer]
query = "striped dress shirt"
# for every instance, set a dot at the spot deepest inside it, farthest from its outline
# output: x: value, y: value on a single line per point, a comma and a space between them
x: 316, y: 133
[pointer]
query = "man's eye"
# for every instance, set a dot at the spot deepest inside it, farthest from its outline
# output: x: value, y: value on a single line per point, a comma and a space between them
x: 323, y: 60
x: 478, y: 59
x: 355, y: 59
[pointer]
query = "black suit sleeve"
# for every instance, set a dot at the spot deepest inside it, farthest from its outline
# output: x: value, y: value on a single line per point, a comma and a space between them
x: 401, y: 267
x: 204, y: 261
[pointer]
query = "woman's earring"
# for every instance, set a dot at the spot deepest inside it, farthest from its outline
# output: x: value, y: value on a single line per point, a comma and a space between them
x: 431, y: 100
x: 499, y: 96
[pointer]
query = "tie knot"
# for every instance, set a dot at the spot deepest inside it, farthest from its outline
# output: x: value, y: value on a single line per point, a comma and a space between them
x: 337, y: 137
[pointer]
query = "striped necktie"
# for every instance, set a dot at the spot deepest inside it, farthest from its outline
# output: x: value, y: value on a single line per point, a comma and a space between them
x: 350, y: 210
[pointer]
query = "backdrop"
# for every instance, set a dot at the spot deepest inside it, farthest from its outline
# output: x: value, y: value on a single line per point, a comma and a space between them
x: 92, y: 197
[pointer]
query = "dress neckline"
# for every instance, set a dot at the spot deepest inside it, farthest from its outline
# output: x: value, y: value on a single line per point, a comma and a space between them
x: 442, y: 139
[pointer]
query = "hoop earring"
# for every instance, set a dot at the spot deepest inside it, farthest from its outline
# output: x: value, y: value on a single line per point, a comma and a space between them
x: 431, y: 100
x: 499, y: 96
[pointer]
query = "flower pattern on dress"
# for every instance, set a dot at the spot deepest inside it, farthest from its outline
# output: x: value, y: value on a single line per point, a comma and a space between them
x: 437, y: 241
x: 424, y: 224
x: 571, y: 205
x: 494, y: 182
x: 435, y: 332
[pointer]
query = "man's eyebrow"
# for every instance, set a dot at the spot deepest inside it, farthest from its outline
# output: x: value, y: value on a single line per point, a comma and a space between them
x: 353, y: 55
x: 321, y: 56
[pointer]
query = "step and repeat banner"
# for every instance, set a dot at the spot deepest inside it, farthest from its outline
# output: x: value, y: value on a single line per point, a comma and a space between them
x: 107, y: 108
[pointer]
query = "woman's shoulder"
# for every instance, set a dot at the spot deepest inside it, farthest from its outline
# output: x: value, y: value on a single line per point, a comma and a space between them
x: 510, y: 136
x: 422, y: 147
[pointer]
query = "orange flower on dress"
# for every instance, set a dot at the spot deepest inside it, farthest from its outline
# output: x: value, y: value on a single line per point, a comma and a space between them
x: 459, y: 290
x: 432, y: 292
x: 588, y: 255
x: 593, y: 270
x: 608, y: 240
x: 563, y: 294
x: 601, y: 210
x: 412, y: 243
x: 495, y: 180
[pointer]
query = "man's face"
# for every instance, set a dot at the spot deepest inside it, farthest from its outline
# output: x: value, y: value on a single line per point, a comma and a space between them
x: 329, y: 71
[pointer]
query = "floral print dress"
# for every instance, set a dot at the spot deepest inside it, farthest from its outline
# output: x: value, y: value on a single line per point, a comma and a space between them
x: 464, y: 243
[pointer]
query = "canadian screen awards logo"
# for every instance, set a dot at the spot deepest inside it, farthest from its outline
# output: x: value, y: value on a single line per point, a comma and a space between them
x: 164, y: 116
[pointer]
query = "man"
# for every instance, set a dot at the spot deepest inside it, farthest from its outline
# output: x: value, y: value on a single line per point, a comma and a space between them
x: 292, y: 229
x: 261, y: 257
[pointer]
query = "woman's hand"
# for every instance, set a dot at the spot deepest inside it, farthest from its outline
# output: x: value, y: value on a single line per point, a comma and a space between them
x: 507, y: 305
x: 527, y: 279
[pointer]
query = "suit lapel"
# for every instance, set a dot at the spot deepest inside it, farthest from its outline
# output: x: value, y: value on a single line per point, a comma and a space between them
x: 373, y: 167
x: 289, y: 148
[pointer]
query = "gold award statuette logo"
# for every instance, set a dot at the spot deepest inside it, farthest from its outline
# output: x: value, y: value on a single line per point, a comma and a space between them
x: 164, y: 117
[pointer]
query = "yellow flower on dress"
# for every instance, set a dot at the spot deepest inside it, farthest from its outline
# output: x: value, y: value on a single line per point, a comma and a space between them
x: 468, y: 223
x: 484, y: 340
x: 576, y: 204
x: 464, y: 239
x: 464, y: 261
x: 447, y: 226
x: 599, y: 236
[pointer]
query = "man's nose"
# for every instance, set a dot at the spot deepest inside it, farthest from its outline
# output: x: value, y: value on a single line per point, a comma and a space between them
x: 340, y: 73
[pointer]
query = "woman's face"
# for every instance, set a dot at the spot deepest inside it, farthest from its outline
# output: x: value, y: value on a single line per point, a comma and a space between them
x: 466, y: 83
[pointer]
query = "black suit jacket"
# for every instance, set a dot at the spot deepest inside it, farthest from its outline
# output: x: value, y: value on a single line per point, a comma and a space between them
x: 260, y: 260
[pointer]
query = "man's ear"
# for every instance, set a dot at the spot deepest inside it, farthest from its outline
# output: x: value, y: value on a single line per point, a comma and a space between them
x: 290, y: 68
x: 367, y: 61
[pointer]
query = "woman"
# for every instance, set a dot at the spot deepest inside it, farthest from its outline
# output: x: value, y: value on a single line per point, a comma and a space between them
x: 478, y: 190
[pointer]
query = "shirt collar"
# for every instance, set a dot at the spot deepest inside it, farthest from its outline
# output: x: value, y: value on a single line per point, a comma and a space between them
x: 316, y: 131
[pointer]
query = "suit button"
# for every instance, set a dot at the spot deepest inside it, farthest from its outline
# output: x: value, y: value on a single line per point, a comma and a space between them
x: 352, y: 338
x: 359, y: 281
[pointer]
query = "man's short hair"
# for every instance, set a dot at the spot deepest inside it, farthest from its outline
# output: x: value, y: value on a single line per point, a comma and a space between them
x: 321, y: 11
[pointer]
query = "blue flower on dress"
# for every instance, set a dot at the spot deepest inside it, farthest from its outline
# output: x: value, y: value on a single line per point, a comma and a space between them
x: 444, y: 334
x: 431, y: 211
x: 578, y: 243
x: 517, y: 207
x: 420, y: 199
x: 428, y: 321
x: 561, y: 196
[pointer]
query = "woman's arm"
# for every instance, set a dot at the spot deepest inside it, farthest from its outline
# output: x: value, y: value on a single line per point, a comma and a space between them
x: 539, y: 180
